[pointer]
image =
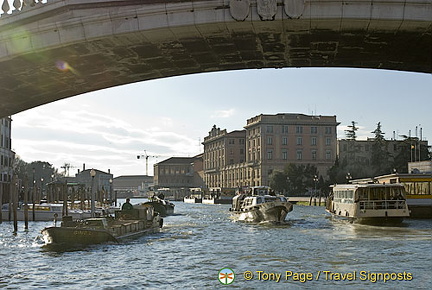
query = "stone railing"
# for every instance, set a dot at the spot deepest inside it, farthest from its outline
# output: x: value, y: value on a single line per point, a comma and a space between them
x: 9, y: 7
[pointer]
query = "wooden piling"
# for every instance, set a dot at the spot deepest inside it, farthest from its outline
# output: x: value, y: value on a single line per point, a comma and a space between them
x: 26, y: 196
x: 26, y: 217
x: 33, y: 201
x: 1, y: 203
x: 14, y: 195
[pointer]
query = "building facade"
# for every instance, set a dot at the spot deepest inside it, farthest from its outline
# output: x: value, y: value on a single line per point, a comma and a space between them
x: 132, y: 185
x: 6, y: 158
x: 179, y: 172
x: 268, y: 143
x: 224, y: 158
x: 361, y: 150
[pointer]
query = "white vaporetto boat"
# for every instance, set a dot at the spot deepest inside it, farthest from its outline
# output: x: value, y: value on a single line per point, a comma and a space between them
x: 260, y: 205
x: 43, y: 212
x: 368, y: 203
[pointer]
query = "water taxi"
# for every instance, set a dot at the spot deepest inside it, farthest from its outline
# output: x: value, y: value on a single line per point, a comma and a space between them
x: 125, y: 224
x: 368, y: 203
x: 260, y: 204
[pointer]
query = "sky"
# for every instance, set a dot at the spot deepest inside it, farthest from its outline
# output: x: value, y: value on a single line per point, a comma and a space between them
x: 170, y: 117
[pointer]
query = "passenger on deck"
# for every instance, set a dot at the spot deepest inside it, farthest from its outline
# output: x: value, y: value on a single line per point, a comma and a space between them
x: 127, y: 205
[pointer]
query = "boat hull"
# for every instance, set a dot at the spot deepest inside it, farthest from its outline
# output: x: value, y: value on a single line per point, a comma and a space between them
x: 266, y: 212
x: 126, y: 224
x: 192, y: 200
x: 376, y: 220
x: 217, y: 200
x: 75, y: 236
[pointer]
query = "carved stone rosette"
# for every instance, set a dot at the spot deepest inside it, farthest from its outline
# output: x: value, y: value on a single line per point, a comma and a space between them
x: 294, y: 8
x: 239, y: 9
x: 267, y: 9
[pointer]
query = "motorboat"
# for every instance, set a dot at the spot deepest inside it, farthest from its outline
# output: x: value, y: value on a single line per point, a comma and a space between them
x: 368, y: 203
x: 260, y: 204
x: 161, y: 205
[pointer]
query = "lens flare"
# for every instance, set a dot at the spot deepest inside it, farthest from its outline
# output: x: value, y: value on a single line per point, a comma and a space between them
x: 63, y: 66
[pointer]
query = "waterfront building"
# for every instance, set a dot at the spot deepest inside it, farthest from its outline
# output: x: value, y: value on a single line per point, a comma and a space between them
x: 424, y: 167
x: 224, y: 158
x: 6, y: 158
x: 268, y: 143
x: 360, y: 151
x: 132, y: 185
x: 276, y: 140
x: 101, y: 183
x: 179, y: 172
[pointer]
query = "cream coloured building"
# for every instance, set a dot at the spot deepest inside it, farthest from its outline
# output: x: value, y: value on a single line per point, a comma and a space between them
x: 268, y: 143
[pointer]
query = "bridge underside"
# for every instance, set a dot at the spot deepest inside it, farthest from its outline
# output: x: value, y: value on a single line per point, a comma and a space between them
x: 43, y: 76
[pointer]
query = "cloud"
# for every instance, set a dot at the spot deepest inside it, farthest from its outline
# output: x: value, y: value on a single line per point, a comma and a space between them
x: 99, y: 140
x: 223, y: 113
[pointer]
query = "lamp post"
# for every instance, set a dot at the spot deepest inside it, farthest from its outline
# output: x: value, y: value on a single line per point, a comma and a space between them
x: 42, y: 188
x: 348, y: 177
x: 315, y: 179
x: 92, y: 174
x: 110, y: 191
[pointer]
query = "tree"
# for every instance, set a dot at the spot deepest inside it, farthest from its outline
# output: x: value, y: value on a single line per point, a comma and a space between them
x: 351, y: 132
x: 380, y: 156
x: 278, y: 181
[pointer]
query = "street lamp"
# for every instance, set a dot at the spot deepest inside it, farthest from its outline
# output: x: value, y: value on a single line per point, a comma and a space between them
x: 315, y: 179
x: 42, y: 188
x: 92, y: 174
x: 348, y: 177
x: 110, y: 192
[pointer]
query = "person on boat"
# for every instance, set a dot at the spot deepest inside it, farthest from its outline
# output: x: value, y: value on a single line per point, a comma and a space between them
x: 127, y: 205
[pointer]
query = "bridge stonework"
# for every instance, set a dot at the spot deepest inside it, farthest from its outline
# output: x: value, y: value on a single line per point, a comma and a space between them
x: 68, y: 47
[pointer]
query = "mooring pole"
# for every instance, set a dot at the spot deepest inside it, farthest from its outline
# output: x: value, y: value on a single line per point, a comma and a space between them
x: 14, y: 193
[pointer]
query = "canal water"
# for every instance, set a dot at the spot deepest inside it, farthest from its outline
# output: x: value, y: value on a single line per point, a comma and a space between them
x: 309, y: 251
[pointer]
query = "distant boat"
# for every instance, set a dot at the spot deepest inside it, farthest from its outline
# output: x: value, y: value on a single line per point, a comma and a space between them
x: 162, y: 206
x: 261, y: 204
x: 216, y: 200
x: 368, y: 203
x: 195, y: 196
x: 215, y: 196
x: 43, y: 212
x: 126, y: 224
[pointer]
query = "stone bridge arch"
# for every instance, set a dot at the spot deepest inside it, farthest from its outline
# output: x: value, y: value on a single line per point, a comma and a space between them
x: 64, y: 48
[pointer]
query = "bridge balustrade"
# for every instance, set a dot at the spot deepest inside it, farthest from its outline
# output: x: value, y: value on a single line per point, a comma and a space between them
x: 9, y: 7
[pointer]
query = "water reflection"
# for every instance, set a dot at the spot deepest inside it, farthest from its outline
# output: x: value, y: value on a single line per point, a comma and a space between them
x: 202, y: 239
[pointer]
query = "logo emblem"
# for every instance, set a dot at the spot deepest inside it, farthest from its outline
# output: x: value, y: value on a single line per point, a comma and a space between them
x: 226, y: 276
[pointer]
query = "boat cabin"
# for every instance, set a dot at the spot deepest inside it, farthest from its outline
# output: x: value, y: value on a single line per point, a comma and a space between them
x: 262, y: 190
x: 370, y: 196
x: 242, y: 200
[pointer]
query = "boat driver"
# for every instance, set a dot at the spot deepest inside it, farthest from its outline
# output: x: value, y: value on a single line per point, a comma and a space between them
x: 127, y: 205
